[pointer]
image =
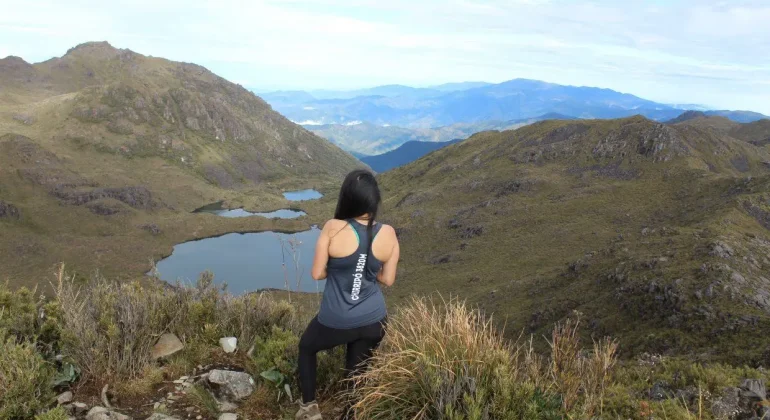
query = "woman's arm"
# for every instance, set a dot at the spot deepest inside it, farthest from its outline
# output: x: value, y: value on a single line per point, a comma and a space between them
x: 387, y: 274
x: 321, y: 258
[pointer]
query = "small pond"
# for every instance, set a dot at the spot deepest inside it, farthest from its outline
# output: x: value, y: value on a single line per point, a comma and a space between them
x: 302, y: 195
x: 217, y: 209
x: 245, y: 261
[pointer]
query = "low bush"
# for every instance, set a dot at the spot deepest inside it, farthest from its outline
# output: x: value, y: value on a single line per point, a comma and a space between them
x: 110, y: 328
x: 448, y: 361
x: 25, y: 379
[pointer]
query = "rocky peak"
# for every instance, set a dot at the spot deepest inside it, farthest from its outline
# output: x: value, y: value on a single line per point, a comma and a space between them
x: 91, y: 47
x: 12, y: 62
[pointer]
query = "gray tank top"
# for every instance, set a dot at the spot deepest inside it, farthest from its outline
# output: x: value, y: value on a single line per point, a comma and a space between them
x: 352, y: 297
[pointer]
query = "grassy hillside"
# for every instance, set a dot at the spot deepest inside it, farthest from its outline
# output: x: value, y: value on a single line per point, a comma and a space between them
x: 106, y: 151
x: 657, y: 234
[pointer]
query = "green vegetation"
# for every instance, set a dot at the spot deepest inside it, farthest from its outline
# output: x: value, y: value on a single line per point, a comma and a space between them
x: 440, y: 359
x: 657, y: 234
x: 105, y: 152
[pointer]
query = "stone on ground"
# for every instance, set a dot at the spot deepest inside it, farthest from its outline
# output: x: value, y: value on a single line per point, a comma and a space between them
x: 167, y: 345
x: 228, y: 416
x: 159, y: 416
x: 230, y: 385
x: 101, y: 413
x: 64, y: 398
x: 229, y: 344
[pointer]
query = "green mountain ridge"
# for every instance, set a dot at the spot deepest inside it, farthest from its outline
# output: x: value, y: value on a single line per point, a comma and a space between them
x: 657, y: 234
x: 109, y: 150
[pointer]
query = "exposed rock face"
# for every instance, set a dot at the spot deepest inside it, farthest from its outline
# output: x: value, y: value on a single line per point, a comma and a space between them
x: 230, y: 385
x: 138, y: 197
x: 8, y: 211
x: 152, y: 228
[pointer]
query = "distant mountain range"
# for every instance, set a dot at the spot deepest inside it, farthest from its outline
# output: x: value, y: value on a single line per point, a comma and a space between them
x: 473, y: 102
x: 365, y: 138
x: 406, y: 153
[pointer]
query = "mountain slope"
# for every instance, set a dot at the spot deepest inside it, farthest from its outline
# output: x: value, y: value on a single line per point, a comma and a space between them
x: 406, y: 153
x: 102, y: 144
x: 657, y: 234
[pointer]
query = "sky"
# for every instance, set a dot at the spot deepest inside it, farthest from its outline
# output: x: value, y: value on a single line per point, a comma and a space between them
x: 710, y: 52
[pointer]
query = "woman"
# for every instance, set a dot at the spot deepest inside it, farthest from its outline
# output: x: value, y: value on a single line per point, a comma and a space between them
x: 355, y: 254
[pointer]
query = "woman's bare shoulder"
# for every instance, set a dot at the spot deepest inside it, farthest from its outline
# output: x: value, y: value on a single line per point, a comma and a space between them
x: 388, y: 230
x: 334, y: 225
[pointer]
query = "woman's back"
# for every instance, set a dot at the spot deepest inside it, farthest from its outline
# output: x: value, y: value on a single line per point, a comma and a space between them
x: 352, y: 296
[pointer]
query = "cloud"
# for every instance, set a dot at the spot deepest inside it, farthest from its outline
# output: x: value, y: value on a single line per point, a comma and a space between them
x: 704, y: 51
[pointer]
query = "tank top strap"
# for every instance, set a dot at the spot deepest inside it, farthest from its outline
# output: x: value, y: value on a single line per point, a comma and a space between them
x: 360, y: 230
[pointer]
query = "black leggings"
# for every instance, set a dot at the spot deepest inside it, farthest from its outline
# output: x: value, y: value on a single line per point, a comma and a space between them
x: 360, y: 341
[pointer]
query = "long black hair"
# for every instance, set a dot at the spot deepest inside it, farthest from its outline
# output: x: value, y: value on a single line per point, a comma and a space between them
x: 359, y: 195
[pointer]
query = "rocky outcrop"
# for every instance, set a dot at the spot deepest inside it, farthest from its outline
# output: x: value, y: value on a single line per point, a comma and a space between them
x: 8, y: 211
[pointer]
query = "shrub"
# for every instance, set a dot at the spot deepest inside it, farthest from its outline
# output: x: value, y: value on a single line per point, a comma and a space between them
x: 57, y: 413
x: 25, y: 379
x: 111, y: 327
x: 447, y: 361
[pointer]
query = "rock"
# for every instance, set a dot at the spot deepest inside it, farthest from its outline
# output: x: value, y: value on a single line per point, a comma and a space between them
x: 229, y: 344
x: 79, y: 408
x: 754, y: 389
x: 152, y: 228
x: 8, y: 210
x: 225, y: 407
x: 101, y: 413
x: 688, y: 394
x: 721, y: 250
x: 660, y: 391
x: 228, y: 416
x: 728, y: 405
x: 167, y: 345
x: 159, y: 416
x: 230, y: 385
x: 64, y: 398
x: 472, y: 232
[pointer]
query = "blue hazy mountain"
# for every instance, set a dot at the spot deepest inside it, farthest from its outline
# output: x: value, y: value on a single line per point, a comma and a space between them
x: 406, y: 153
x: 469, y: 102
x: 372, y: 139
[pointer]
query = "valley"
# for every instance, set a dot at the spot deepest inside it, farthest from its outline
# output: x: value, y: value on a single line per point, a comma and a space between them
x: 657, y: 234
x: 622, y: 220
x: 105, y: 153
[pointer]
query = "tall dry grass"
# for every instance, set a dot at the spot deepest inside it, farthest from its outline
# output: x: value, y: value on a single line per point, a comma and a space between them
x: 109, y: 328
x: 445, y: 360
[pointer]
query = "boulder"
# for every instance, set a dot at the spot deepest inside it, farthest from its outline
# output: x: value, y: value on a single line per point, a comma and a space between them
x: 727, y: 406
x: 64, y: 398
x: 754, y: 389
x: 167, y: 345
x: 229, y: 344
x: 101, y: 413
x: 228, y: 416
x: 230, y: 385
